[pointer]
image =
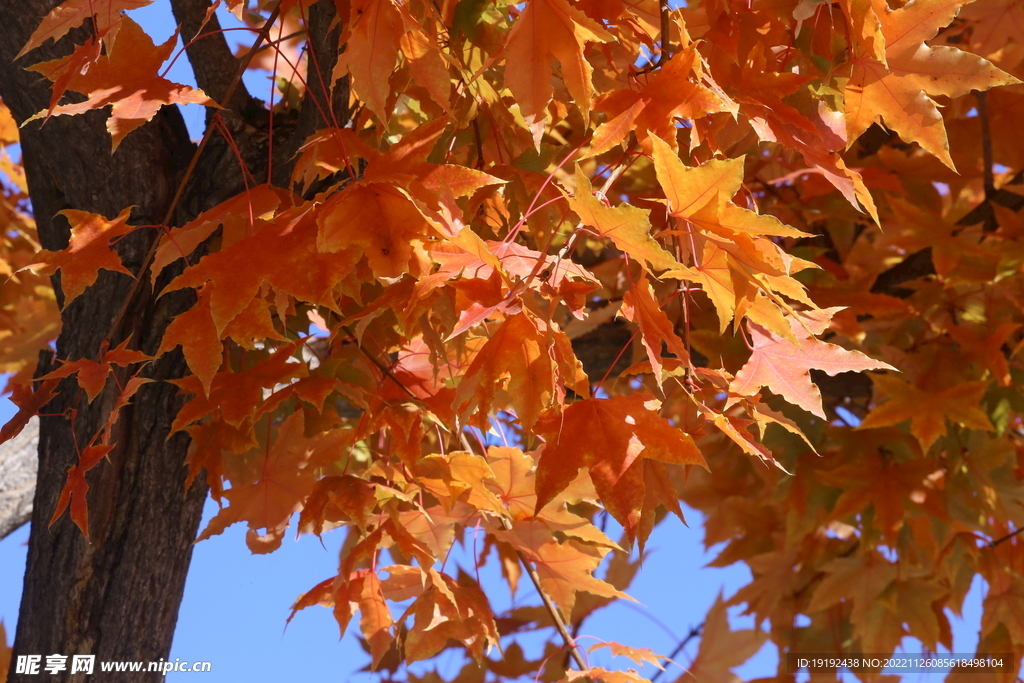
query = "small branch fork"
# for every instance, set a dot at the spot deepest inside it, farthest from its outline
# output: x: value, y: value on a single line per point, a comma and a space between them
x: 666, y: 38
x: 694, y: 632
x: 210, y: 128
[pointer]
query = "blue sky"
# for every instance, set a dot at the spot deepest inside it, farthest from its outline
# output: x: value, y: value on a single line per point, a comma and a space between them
x: 235, y: 604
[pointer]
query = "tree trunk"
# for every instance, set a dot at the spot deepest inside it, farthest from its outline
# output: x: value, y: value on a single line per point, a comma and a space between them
x: 116, y: 594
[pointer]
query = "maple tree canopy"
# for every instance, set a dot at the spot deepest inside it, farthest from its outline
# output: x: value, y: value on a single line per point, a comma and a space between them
x: 533, y: 274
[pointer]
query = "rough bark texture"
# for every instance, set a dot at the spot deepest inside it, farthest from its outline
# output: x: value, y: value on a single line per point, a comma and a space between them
x: 116, y: 594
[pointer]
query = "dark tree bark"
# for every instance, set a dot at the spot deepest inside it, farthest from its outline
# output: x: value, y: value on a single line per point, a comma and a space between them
x: 116, y: 594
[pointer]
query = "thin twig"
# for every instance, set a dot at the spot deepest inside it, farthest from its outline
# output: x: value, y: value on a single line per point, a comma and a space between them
x: 549, y: 604
x: 380, y: 366
x: 987, y: 160
x: 986, y: 145
x: 694, y: 632
x: 1007, y: 537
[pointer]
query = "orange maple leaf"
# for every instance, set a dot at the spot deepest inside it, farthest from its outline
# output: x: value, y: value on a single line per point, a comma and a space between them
x: 281, y: 477
x: 547, y: 30
x: 371, y: 52
x: 266, y: 255
x: 76, y: 487
x: 564, y: 568
x: 516, y: 354
x: 73, y: 13
x: 613, y: 438
x: 92, y: 375
x: 28, y: 402
x: 784, y: 367
x: 652, y: 112
x: 628, y: 227
x: 640, y: 306
x: 126, y: 78
x: 87, y: 252
x: 928, y: 410
x: 897, y: 89
x: 377, y: 218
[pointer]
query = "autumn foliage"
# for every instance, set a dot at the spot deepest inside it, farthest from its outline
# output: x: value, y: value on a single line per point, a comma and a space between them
x: 742, y: 204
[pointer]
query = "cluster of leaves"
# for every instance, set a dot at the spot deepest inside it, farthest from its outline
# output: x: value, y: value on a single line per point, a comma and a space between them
x: 770, y: 176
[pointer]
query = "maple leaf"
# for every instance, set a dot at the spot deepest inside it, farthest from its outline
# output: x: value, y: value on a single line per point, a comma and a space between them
x: 371, y: 51
x: 640, y: 306
x: 449, y: 610
x: 73, y: 13
x: 514, y: 483
x: 860, y: 578
x: 126, y: 78
x: 888, y: 487
x: 987, y: 351
x: 29, y: 402
x: 928, y: 410
x: 897, y: 90
x: 74, y: 491
x: 239, y: 269
x: 641, y: 655
x: 738, y: 267
x: 564, y: 568
x: 652, y: 112
x: 516, y: 353
x: 547, y: 30
x: 283, y: 474
x: 627, y: 226
x: 87, y: 252
x: 92, y: 375
x: 196, y: 333
x: 234, y: 217
x: 784, y: 367
x: 612, y: 438
x: 398, y: 226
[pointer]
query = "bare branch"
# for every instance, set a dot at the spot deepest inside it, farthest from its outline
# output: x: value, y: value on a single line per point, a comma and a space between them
x: 666, y: 28
x: 208, y: 52
x: 325, y: 103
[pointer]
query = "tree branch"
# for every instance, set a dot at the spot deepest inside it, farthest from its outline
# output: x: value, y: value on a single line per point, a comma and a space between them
x: 325, y: 103
x: 987, y: 160
x: 666, y: 28
x: 694, y: 632
x: 212, y: 62
x: 549, y: 604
